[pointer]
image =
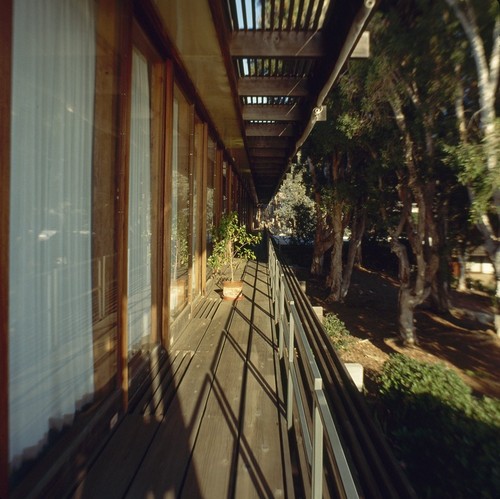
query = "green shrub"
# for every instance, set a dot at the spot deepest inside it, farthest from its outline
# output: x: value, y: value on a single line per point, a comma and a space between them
x: 402, y: 378
x: 338, y: 332
x: 447, y: 438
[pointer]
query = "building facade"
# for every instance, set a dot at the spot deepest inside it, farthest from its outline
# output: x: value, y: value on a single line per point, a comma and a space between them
x: 121, y: 144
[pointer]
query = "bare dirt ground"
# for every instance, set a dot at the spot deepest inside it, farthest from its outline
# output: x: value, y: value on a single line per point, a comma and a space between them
x: 459, y: 339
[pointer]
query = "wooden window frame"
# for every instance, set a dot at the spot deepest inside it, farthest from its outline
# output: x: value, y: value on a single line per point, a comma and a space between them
x: 136, y: 365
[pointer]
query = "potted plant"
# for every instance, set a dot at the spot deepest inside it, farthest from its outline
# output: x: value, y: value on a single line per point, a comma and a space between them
x: 231, y: 241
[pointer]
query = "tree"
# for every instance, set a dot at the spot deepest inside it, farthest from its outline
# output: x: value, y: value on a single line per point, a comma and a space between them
x: 292, y: 210
x: 339, y: 160
x: 412, y: 76
x: 482, y: 172
x: 305, y: 223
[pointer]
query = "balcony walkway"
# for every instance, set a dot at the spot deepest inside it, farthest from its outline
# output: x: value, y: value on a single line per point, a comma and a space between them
x: 212, y: 425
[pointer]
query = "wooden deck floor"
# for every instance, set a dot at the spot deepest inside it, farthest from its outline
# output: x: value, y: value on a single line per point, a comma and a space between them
x: 212, y: 424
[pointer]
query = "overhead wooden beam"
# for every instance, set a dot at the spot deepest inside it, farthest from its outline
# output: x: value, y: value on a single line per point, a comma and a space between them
x: 268, y: 153
x: 258, y: 161
x: 270, y: 130
x: 280, y: 44
x: 263, y: 112
x: 272, y: 87
x: 270, y: 142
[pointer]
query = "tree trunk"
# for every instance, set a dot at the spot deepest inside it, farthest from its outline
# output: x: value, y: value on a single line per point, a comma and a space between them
x: 359, y: 256
x: 406, y: 316
x: 422, y: 233
x: 406, y: 302
x: 358, y: 229
x: 334, y: 280
x: 322, y: 240
x: 318, y: 258
x: 322, y: 243
x: 462, y: 281
x: 440, y: 290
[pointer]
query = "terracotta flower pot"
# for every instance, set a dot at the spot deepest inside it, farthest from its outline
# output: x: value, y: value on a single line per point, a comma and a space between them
x: 232, y: 290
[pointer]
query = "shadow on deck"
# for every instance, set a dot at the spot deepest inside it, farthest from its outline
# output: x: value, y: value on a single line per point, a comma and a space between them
x: 212, y: 422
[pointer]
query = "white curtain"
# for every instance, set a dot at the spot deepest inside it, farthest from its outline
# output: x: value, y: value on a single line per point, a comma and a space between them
x: 50, y: 312
x: 139, y: 218
x: 174, y: 210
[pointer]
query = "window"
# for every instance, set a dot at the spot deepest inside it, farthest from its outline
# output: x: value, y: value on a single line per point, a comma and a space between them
x: 209, y: 214
x: 180, y: 229
x: 144, y: 279
x: 140, y: 223
x: 62, y: 277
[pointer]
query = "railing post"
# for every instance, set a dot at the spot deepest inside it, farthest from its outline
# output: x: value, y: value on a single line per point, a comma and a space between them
x: 317, y: 460
x: 291, y: 360
x: 282, y: 296
x: 279, y: 291
x: 276, y: 297
x: 281, y: 314
x: 272, y: 269
x: 273, y: 280
x: 281, y: 335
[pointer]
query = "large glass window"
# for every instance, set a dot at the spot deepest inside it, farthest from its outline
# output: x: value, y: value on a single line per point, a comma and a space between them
x: 62, y: 284
x: 180, y: 229
x: 197, y: 187
x: 146, y: 156
x: 212, y: 155
x: 140, y: 208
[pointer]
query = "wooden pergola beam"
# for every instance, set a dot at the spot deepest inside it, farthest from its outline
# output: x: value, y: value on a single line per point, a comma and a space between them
x: 270, y: 130
x: 272, y: 87
x: 269, y: 142
x: 258, y: 112
x: 260, y: 161
x: 267, y: 153
x: 281, y: 44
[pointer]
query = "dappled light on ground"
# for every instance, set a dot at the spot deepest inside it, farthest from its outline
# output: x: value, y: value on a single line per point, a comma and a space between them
x: 459, y: 339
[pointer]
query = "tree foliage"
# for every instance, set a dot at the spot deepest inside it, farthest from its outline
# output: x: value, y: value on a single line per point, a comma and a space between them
x: 291, y: 212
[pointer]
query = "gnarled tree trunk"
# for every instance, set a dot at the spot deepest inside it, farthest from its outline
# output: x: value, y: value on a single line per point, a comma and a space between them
x: 358, y: 229
x: 334, y: 279
x: 322, y: 236
x: 422, y: 234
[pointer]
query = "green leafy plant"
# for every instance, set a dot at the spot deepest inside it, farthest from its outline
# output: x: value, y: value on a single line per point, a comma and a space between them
x: 447, y: 438
x: 231, y: 241
x: 338, y: 332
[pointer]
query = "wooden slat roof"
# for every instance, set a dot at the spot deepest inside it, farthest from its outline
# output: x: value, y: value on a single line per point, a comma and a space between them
x: 262, y: 69
x: 282, y: 54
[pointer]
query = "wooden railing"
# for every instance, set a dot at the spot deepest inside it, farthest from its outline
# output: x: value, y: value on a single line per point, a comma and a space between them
x: 341, y: 452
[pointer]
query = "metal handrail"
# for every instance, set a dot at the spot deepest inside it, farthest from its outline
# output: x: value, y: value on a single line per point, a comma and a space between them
x: 292, y: 340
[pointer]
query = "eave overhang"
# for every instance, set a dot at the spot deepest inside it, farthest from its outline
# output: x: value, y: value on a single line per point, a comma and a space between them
x: 263, y: 69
